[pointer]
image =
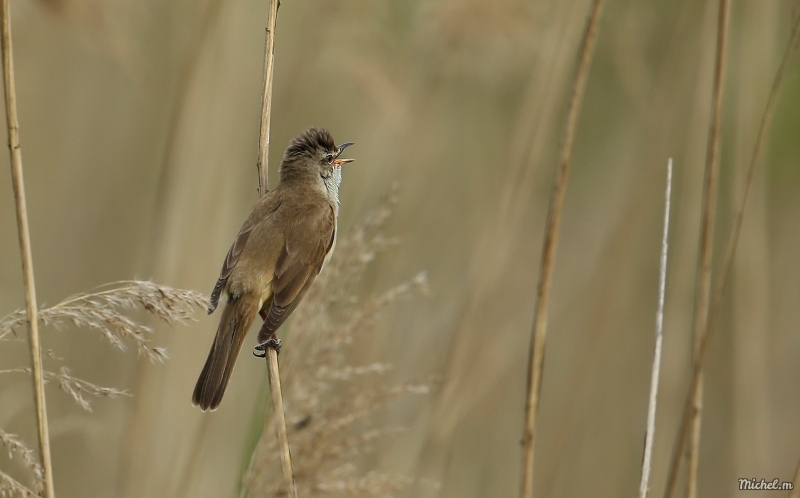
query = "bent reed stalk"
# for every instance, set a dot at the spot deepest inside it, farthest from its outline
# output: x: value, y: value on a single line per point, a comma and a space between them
x: 539, y: 329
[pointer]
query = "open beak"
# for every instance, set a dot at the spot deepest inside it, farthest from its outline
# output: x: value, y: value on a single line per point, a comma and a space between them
x: 339, y: 162
x: 344, y: 146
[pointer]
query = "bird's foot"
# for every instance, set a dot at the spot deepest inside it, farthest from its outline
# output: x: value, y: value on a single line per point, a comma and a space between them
x: 273, y: 343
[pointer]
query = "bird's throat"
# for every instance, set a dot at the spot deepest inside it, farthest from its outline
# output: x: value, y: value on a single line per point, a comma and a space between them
x: 332, y: 184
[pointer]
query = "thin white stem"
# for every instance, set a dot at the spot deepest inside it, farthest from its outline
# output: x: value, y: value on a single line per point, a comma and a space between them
x: 647, y: 460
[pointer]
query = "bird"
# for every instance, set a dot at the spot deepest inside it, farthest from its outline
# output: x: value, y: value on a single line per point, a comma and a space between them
x: 282, y: 246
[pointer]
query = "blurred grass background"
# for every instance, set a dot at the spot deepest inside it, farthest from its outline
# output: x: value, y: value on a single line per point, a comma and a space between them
x: 139, y: 124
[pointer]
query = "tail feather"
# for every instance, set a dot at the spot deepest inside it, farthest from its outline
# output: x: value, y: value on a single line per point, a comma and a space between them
x: 236, y: 319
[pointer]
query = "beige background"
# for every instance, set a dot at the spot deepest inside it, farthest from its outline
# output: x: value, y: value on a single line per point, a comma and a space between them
x: 139, y: 127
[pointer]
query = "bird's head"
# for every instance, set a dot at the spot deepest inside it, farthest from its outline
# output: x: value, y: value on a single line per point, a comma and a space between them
x: 314, y: 150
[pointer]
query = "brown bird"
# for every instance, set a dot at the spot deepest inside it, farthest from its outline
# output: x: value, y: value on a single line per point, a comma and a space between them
x: 281, y: 248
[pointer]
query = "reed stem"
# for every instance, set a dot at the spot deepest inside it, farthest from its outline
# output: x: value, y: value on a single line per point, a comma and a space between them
x: 25, y: 249
x: 273, y: 370
x: 539, y: 330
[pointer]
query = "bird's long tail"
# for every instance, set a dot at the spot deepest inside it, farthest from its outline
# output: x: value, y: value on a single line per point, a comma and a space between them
x: 236, y: 318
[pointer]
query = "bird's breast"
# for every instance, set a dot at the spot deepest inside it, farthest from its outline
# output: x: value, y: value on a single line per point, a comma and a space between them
x: 333, y: 245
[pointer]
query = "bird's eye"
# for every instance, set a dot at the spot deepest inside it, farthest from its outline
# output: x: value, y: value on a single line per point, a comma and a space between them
x: 329, y: 158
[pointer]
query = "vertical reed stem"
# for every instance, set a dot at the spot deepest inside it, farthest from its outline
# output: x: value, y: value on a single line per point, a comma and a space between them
x: 766, y: 119
x: 539, y: 330
x: 266, y: 100
x: 25, y: 248
x: 283, y: 435
x: 677, y: 450
x: 263, y: 187
x: 703, y: 297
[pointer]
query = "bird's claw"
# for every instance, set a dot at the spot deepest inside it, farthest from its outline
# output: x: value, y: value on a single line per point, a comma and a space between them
x: 272, y: 342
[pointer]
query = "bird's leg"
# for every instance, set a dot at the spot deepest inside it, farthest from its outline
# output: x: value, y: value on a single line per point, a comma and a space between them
x: 273, y: 342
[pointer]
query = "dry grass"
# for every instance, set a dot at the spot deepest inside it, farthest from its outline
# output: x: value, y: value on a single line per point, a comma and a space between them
x: 76, y: 388
x: 333, y: 407
x: 103, y: 311
x: 10, y: 485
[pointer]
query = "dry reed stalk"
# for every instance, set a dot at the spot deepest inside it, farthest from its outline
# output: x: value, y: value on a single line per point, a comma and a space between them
x: 703, y: 288
x: 263, y: 187
x: 266, y: 100
x: 728, y: 258
x: 539, y: 330
x: 280, y: 418
x: 766, y: 119
x: 647, y: 460
x: 25, y: 248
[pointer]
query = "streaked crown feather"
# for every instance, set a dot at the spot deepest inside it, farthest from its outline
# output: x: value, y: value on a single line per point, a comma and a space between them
x: 310, y: 143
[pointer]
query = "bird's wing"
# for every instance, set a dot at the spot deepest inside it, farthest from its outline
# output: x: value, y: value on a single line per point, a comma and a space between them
x: 299, y: 263
x: 261, y: 211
